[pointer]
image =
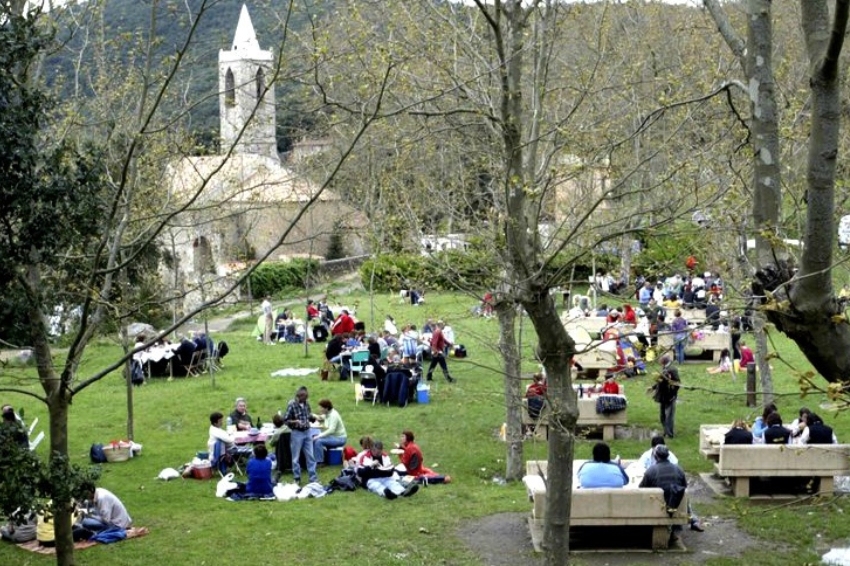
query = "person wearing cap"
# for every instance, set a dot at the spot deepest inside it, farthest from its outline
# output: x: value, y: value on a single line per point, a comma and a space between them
x: 666, y: 391
x: 671, y: 479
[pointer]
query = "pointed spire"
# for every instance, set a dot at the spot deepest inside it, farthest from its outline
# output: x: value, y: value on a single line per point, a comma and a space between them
x: 245, y: 38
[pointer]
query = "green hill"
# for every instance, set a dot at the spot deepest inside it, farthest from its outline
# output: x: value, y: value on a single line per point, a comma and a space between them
x: 115, y: 33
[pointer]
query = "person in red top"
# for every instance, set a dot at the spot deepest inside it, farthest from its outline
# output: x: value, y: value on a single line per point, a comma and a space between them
x: 410, y: 455
x: 438, y: 346
x: 537, y: 388
x: 747, y: 356
x: 629, y: 314
x: 312, y: 311
x: 691, y: 263
x: 610, y: 387
x: 343, y: 323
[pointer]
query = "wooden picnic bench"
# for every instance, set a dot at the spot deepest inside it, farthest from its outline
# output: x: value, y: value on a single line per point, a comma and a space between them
x: 739, y: 463
x: 587, y: 418
x: 630, y: 506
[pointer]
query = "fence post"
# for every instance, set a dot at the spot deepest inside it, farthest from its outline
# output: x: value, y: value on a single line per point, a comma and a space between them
x: 751, y: 384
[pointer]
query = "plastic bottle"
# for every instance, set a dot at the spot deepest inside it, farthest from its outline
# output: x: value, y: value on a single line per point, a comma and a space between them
x: 229, y: 422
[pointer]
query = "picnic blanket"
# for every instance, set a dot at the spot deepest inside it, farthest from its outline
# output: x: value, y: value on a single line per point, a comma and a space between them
x: 294, y: 372
x: 33, y: 545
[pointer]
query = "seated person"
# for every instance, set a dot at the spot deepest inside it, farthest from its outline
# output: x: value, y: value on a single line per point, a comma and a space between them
x: 648, y: 458
x: 312, y: 311
x: 816, y: 432
x: 611, y: 387
x: 411, y: 458
x: 725, y: 364
x: 738, y: 434
x: 240, y: 417
x: 106, y: 510
x: 333, y: 435
x: 376, y: 472
x: 366, y: 443
x: 259, y: 470
x: 279, y: 428
x: 20, y: 528
x: 775, y: 433
x: 601, y: 471
x: 14, y: 429
x: 218, y: 434
x: 799, y: 424
x: 44, y: 530
x: 760, y: 423
x: 537, y: 388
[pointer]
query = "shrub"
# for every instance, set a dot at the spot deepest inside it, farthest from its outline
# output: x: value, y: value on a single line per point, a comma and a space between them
x: 274, y: 278
x: 440, y: 271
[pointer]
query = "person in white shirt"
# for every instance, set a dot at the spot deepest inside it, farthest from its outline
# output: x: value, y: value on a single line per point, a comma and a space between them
x: 648, y: 458
x: 268, y: 315
x: 218, y: 434
x: 389, y: 326
x: 108, y: 511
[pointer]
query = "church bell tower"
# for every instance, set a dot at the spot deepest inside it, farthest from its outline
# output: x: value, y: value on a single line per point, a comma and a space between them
x: 246, y: 93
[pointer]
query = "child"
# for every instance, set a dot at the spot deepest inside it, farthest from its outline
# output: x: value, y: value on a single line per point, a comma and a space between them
x: 725, y: 364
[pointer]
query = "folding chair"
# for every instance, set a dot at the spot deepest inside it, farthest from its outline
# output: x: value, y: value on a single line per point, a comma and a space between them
x: 222, y: 461
x: 36, y: 441
x: 368, y: 387
x: 357, y: 363
x: 196, y: 364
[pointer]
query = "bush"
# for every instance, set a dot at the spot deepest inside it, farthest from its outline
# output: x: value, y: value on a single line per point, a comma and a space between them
x: 440, y: 271
x: 274, y: 278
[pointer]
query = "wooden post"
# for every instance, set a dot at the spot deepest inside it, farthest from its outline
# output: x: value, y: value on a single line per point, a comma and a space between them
x: 751, y: 385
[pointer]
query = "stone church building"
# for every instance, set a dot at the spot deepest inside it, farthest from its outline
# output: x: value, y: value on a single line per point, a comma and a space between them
x: 245, y: 202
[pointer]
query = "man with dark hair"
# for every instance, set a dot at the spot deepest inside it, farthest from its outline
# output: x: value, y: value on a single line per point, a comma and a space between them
x: 671, y: 479
x: 666, y: 393
x: 106, y: 510
x: 438, y: 347
x: 601, y: 471
x: 648, y: 457
x: 298, y: 417
x: 775, y: 433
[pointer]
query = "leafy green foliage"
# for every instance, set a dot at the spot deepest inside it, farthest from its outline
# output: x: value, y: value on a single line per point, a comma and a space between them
x: 446, y: 270
x: 336, y: 245
x: 273, y: 278
x: 28, y: 481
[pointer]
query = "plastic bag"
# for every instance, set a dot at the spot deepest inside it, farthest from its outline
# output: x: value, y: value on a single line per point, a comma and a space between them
x: 225, y: 484
x: 168, y: 474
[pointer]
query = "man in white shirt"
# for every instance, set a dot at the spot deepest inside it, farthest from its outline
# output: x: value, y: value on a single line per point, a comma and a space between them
x: 648, y: 458
x: 268, y: 315
x: 108, y: 511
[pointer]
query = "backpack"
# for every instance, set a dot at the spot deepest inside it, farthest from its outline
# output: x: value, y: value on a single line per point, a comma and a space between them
x: 96, y: 454
x: 344, y: 482
x: 137, y: 373
x: 460, y: 351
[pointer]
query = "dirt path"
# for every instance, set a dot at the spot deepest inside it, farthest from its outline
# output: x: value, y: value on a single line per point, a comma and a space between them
x: 503, y: 540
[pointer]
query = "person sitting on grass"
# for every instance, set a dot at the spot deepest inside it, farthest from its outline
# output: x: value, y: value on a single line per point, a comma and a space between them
x: 411, y: 458
x: 376, y: 472
x: 259, y: 484
x: 601, y: 471
x: 106, y: 510
x: 725, y: 364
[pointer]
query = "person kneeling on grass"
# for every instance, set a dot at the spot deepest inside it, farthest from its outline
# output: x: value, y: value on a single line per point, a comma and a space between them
x: 106, y: 510
x: 411, y: 458
x: 376, y: 472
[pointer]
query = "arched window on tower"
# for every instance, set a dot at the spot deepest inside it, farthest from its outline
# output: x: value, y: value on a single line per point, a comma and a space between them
x: 229, y: 89
x: 261, y: 83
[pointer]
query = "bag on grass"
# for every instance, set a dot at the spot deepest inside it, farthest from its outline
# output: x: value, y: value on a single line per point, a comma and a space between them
x: 224, y: 485
x: 96, y: 454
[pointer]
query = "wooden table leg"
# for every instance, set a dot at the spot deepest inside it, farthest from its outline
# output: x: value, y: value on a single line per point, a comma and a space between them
x: 741, y: 486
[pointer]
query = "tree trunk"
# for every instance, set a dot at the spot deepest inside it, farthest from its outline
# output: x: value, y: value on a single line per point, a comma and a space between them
x: 506, y: 312
x: 556, y: 350
x: 60, y: 467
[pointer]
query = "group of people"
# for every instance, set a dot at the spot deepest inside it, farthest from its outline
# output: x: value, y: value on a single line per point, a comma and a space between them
x: 768, y: 428
x: 660, y: 469
x: 309, y: 443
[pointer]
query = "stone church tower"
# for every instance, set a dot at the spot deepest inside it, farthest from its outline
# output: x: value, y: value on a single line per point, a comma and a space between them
x: 246, y: 93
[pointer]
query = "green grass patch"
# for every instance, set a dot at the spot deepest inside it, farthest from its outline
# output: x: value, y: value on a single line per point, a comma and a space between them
x: 457, y: 432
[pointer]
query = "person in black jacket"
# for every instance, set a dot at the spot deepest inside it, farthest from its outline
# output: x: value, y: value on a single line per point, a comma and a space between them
x: 671, y: 479
x: 738, y: 434
x: 775, y: 433
x: 666, y: 394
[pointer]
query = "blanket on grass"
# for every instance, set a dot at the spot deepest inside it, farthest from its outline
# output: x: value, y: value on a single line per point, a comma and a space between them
x: 294, y: 372
x: 33, y: 545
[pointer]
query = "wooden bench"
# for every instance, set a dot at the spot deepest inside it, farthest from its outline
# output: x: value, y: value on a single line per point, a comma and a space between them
x: 605, y: 507
x: 739, y: 463
x: 587, y: 418
x: 713, y: 342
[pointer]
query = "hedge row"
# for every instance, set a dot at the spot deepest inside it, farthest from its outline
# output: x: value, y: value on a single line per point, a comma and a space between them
x: 441, y: 271
x: 274, y: 278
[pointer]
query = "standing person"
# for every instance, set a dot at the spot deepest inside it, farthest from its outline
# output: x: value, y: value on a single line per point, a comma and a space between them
x: 438, y: 345
x: 108, y: 511
x: 666, y: 393
x: 298, y: 417
x: 334, y: 435
x: 679, y: 326
x: 671, y: 479
x: 268, y: 316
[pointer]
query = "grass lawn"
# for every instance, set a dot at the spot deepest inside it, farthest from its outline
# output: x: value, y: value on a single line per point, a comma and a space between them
x: 458, y: 432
